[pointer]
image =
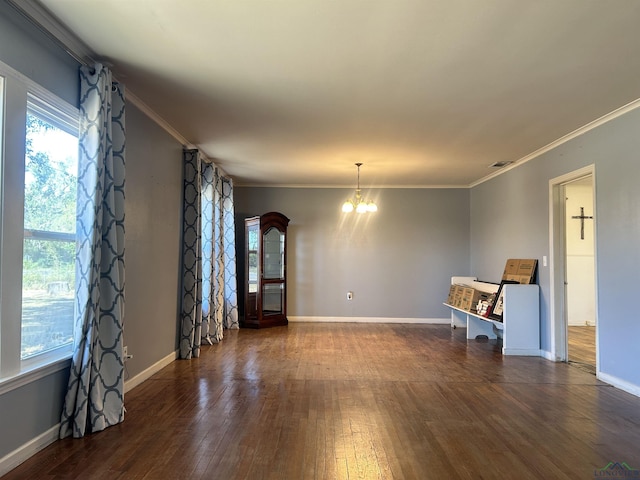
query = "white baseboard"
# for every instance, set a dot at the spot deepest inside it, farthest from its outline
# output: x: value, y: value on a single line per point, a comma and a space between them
x: 24, y: 452
x: 618, y: 383
x: 149, y: 372
x: 435, y: 321
x: 525, y: 352
x: 548, y: 356
x: 610, y: 379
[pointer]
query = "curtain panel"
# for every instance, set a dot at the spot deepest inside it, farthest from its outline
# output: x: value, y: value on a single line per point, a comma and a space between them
x: 95, y: 393
x: 191, y: 284
x: 224, y: 278
x: 209, y: 283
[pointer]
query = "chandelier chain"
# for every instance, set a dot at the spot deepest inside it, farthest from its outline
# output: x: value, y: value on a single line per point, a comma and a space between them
x: 359, y: 204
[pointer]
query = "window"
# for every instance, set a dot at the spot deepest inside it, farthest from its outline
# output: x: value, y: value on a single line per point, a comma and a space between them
x: 38, y: 185
x: 48, y: 258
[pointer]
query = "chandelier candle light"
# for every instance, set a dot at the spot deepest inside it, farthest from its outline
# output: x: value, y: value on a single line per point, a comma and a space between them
x: 359, y: 204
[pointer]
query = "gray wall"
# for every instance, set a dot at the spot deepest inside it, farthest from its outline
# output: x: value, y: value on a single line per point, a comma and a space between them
x: 510, y: 218
x: 398, y: 261
x: 615, y: 151
x: 153, y: 209
x: 30, y: 410
x: 31, y: 53
x: 153, y: 214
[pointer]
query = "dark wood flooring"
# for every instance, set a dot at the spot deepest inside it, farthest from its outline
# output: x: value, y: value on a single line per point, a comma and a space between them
x: 582, y: 345
x: 357, y: 401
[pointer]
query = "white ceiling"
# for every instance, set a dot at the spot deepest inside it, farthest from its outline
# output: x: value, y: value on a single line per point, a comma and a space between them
x: 423, y: 92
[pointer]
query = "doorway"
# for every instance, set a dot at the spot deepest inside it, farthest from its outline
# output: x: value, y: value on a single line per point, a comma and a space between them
x: 573, y: 285
x: 580, y: 273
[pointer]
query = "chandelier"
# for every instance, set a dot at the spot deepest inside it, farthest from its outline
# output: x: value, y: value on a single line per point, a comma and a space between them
x: 358, y: 203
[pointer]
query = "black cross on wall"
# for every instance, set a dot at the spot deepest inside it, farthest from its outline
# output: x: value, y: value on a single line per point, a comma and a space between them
x: 582, y: 217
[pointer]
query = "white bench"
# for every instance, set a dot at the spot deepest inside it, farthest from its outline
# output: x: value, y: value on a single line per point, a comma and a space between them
x: 520, y: 326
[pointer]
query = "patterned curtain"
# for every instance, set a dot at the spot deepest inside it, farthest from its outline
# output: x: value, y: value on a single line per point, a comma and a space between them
x: 224, y: 293
x: 95, y: 393
x: 209, y: 299
x: 209, y: 283
x: 191, y: 289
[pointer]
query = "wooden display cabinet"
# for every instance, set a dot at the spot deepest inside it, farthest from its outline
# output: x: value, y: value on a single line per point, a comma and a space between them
x: 265, y: 271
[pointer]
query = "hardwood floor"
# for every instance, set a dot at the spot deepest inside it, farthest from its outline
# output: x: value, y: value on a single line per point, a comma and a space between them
x: 582, y: 345
x: 357, y: 401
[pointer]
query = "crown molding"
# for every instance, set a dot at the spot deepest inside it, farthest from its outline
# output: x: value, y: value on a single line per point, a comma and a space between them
x: 162, y: 123
x: 535, y: 154
x: 348, y: 187
x: 48, y: 24
x: 562, y: 140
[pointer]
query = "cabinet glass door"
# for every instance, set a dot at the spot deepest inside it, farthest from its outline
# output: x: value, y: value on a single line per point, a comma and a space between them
x: 273, y: 254
x: 273, y: 299
x: 252, y: 258
x: 273, y: 272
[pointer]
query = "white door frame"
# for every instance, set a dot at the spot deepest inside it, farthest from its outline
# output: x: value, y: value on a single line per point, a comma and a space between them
x: 557, y: 263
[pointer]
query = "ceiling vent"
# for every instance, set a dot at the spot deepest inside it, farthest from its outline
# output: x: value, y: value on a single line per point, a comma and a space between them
x: 500, y: 164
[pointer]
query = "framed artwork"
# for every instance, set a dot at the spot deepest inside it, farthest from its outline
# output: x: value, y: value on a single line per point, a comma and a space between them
x: 498, y: 305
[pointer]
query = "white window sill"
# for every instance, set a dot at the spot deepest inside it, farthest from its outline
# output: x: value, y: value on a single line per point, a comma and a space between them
x: 35, y: 373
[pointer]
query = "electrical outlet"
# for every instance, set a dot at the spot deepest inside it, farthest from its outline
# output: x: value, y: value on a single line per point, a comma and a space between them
x: 125, y: 353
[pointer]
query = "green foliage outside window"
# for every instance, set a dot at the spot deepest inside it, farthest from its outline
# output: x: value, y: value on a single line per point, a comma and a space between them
x: 48, y: 270
x: 50, y: 205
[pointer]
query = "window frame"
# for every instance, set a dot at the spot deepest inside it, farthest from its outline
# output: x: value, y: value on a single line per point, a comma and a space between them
x: 16, y: 90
